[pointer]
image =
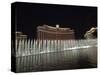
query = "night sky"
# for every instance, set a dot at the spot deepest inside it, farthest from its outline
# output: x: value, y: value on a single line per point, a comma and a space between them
x: 30, y: 15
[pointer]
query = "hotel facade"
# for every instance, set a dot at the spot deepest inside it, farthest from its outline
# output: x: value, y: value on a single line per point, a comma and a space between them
x: 46, y: 32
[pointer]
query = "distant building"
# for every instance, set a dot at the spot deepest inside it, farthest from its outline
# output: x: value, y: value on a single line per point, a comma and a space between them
x: 54, y: 33
x: 20, y: 36
x: 91, y: 34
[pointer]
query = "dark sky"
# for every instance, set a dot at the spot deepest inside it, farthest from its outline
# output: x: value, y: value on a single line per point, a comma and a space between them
x: 31, y: 15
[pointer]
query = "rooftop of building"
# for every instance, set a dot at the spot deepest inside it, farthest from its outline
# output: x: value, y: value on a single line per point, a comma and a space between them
x: 54, y: 29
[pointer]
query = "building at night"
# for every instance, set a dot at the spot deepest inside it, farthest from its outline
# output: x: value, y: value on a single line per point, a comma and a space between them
x: 20, y: 36
x: 91, y: 34
x: 46, y: 32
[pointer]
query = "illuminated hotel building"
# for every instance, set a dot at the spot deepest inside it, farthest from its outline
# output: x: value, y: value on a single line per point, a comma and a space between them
x: 46, y: 32
x: 20, y: 36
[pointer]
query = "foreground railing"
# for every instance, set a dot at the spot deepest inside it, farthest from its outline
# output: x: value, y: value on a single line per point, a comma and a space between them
x: 34, y: 55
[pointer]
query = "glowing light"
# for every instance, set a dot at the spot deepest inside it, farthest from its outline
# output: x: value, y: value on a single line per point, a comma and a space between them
x: 57, y: 26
